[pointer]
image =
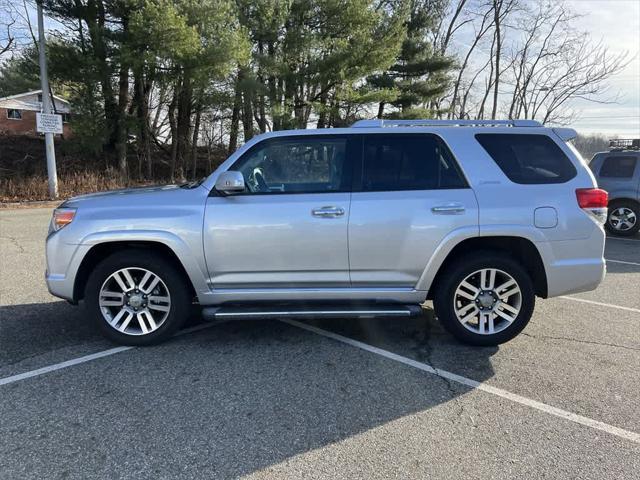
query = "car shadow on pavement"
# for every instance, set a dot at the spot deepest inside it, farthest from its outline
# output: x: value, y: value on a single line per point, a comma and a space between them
x: 34, y: 329
x: 30, y: 330
x: 228, y: 401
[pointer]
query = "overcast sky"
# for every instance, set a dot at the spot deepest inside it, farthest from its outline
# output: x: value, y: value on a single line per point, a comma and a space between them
x: 617, y: 24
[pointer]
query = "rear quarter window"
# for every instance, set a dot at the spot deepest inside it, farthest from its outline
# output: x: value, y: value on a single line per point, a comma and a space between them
x: 528, y: 158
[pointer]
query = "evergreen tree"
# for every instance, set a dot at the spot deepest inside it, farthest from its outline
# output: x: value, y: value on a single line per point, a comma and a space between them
x: 20, y: 73
x: 418, y: 75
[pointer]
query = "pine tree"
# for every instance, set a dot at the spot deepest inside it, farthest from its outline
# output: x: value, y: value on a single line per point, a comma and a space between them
x: 419, y: 74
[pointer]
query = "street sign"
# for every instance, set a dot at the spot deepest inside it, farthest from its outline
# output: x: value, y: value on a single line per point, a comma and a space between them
x: 48, y: 123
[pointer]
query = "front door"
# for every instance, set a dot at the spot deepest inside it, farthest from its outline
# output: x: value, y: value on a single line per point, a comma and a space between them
x: 289, y: 227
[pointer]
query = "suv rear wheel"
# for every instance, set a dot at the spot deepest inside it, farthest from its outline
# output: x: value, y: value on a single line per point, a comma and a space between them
x: 484, y: 299
x: 623, y: 217
x: 137, y: 298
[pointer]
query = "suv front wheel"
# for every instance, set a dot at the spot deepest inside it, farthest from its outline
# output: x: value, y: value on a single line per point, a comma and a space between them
x: 137, y: 298
x: 484, y: 299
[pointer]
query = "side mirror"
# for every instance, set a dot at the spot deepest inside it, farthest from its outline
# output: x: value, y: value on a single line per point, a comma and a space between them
x: 230, y: 182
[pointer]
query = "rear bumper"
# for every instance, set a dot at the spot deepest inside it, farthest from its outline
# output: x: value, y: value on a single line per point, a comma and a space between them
x: 574, y: 266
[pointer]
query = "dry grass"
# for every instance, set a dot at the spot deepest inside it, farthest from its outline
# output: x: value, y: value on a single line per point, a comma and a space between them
x: 23, y: 174
x: 35, y: 188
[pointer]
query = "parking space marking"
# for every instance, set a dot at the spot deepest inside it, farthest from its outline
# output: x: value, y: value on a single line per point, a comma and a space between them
x: 543, y: 407
x: 61, y: 365
x: 86, y: 358
x: 622, y: 262
x: 601, y: 304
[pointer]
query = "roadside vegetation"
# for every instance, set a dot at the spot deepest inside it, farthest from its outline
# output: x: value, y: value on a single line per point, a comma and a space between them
x: 162, y: 89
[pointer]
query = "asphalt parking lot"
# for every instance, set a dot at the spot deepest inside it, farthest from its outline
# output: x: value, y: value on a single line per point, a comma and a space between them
x: 333, y: 399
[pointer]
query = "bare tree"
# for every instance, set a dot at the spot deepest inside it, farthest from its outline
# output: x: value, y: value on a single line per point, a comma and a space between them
x: 501, y: 10
x: 449, y: 25
x: 589, y: 145
x: 485, y: 25
x: 15, y: 28
x: 523, y: 60
x: 556, y: 63
x: 7, y: 21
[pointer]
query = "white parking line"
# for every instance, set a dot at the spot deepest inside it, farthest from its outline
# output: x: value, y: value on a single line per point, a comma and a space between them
x: 622, y: 262
x: 543, y: 407
x: 61, y: 365
x: 600, y: 304
x: 86, y: 358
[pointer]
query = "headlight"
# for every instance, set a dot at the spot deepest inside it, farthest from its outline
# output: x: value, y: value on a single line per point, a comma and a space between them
x: 61, y: 218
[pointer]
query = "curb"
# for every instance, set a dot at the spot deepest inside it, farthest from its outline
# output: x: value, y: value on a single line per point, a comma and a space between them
x: 34, y: 204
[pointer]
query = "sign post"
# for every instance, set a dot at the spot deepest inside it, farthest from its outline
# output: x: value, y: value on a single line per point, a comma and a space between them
x: 46, y: 110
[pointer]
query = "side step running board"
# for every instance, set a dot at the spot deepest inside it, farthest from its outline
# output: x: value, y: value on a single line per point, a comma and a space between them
x: 309, y: 311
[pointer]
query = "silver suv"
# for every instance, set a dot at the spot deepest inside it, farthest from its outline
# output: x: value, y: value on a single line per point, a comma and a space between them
x: 618, y: 173
x: 373, y: 220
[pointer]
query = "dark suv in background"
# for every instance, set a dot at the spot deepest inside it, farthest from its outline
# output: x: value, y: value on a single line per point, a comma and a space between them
x: 618, y: 172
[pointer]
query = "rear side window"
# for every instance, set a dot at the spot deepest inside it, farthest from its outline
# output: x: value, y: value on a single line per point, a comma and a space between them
x: 408, y: 162
x: 528, y: 159
x: 618, y: 167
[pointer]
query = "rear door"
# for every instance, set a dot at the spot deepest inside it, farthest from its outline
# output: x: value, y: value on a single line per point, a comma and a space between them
x: 408, y: 195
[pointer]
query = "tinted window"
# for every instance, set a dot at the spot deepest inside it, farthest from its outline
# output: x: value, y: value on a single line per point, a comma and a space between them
x: 528, y: 159
x: 296, y: 165
x: 618, y: 167
x: 408, y: 162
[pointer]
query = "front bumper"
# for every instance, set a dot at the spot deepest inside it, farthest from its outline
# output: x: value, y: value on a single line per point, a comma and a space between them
x: 59, y: 286
x: 63, y: 263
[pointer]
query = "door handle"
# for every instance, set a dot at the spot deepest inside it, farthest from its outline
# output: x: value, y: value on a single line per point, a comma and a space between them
x: 449, y: 209
x: 327, y: 212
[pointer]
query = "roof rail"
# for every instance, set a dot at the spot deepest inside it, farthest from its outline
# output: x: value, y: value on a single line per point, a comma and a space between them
x: 378, y: 123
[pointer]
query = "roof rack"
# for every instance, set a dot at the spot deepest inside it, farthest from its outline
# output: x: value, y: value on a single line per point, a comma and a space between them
x: 378, y: 123
x: 619, y: 144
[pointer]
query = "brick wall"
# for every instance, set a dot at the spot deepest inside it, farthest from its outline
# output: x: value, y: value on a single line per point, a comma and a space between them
x: 26, y: 126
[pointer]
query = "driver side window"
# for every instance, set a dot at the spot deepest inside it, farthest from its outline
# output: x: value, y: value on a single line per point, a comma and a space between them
x: 304, y: 164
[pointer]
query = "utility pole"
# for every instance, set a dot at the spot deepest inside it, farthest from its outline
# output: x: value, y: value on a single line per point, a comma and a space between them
x: 46, y: 107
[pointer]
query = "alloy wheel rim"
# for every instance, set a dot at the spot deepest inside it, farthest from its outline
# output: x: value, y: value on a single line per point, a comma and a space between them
x: 487, y: 301
x: 134, y: 301
x: 622, y: 218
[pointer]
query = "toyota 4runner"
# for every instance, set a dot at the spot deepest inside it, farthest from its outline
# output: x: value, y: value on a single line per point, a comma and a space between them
x: 373, y: 220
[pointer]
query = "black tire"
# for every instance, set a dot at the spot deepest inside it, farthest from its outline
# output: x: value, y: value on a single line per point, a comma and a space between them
x: 631, y: 205
x: 444, y: 296
x: 174, y: 280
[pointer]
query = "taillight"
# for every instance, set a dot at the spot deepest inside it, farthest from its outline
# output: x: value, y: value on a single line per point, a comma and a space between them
x: 592, y: 198
x: 593, y: 201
